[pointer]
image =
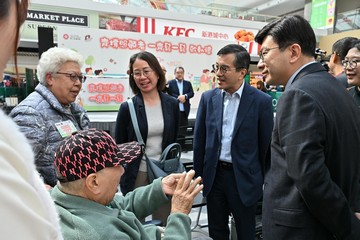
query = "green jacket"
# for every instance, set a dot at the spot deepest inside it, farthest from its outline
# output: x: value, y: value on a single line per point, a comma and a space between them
x: 83, y: 219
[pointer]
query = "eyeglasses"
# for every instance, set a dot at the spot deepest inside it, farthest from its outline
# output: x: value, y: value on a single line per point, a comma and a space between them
x: 351, y: 63
x: 146, y: 73
x: 223, y: 69
x: 73, y: 77
x: 262, y: 54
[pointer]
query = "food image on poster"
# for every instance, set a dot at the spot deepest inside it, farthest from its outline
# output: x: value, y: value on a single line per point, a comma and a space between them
x: 118, y: 23
x: 245, y: 38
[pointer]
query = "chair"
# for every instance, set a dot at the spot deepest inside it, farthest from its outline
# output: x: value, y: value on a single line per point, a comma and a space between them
x: 199, y: 202
x: 186, y: 141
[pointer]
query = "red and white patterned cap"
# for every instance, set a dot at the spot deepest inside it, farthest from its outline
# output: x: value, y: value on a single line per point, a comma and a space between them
x: 91, y: 150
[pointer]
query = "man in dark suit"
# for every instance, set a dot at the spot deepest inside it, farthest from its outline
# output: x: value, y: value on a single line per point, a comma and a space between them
x: 312, y: 184
x: 232, y: 136
x: 182, y: 90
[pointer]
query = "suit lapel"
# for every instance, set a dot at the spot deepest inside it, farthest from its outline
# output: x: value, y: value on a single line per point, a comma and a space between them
x: 245, y: 102
x: 176, y: 87
x: 166, y: 105
x: 217, y: 101
x: 142, y: 114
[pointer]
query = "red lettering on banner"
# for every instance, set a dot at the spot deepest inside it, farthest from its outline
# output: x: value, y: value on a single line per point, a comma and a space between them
x: 122, y: 43
x: 132, y: 44
x: 188, y: 31
x: 106, y: 98
x: 182, y: 47
x: 106, y: 87
x: 104, y: 42
x: 180, y: 31
x: 168, y: 30
x: 216, y: 35
x: 198, y: 49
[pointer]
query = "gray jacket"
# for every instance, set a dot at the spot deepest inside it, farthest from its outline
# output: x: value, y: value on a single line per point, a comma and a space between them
x: 36, y: 116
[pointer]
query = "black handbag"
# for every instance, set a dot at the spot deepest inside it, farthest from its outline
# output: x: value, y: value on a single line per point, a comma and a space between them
x: 169, y: 161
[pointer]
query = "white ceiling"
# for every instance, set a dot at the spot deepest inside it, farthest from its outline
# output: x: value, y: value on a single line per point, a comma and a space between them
x: 265, y: 7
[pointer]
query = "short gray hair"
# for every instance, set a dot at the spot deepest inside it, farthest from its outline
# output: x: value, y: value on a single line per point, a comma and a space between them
x: 53, y: 59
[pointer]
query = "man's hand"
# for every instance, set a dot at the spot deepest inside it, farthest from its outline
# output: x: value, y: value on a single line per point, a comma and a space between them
x: 185, y: 192
x: 182, y: 98
x: 357, y: 215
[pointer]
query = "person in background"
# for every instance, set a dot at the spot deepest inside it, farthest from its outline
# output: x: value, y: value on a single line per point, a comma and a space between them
x: 232, y: 137
x: 27, y: 211
x: 158, y: 118
x: 261, y: 86
x: 167, y: 84
x: 182, y: 90
x: 86, y: 198
x: 339, y: 51
x: 50, y: 113
x: 312, y: 184
x: 351, y: 65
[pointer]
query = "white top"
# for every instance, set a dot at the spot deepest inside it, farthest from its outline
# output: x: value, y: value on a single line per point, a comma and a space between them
x: 27, y: 211
x: 155, y: 121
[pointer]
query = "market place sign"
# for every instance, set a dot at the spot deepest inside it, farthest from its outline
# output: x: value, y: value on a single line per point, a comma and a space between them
x: 59, y: 18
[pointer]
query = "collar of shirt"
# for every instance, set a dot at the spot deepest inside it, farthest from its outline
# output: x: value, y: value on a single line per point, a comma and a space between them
x: 238, y: 92
x: 296, y: 73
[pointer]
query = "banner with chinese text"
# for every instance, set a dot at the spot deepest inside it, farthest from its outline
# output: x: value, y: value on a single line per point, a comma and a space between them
x: 110, y: 51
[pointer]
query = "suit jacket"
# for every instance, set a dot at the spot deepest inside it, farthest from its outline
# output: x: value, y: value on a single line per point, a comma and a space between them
x: 173, y: 90
x: 312, y: 187
x: 124, y: 130
x: 251, y: 140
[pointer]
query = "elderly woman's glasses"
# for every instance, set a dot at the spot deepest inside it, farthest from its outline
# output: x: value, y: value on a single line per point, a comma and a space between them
x: 73, y: 77
x: 351, y: 63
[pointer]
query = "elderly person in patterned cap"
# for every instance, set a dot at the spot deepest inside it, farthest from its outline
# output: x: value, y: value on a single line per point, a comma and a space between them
x: 89, y: 166
x: 50, y: 114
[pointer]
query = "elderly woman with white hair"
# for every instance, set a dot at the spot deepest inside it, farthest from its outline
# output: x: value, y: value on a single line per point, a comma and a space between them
x: 50, y: 113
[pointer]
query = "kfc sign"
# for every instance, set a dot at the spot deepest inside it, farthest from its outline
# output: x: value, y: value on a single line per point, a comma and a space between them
x: 178, y: 31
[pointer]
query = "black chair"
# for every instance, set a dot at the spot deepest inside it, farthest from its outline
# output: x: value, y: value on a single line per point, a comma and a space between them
x: 199, y: 202
x: 186, y: 141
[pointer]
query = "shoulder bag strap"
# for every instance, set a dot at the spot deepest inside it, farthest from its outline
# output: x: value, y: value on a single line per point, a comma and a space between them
x: 135, y: 122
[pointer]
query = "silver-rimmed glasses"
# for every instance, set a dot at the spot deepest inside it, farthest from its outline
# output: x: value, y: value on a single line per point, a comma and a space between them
x: 265, y: 51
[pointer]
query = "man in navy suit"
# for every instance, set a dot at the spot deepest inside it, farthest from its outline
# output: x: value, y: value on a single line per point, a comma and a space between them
x: 182, y: 90
x: 232, y: 138
x: 312, y: 185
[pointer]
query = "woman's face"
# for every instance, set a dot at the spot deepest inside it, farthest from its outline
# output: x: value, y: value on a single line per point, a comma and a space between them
x: 7, y: 38
x: 145, y: 78
x: 62, y: 86
x: 353, y: 72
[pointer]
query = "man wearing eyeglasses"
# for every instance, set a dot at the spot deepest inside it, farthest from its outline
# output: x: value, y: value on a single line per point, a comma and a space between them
x: 50, y: 114
x: 339, y: 51
x: 351, y: 65
x: 182, y: 90
x: 312, y: 184
x: 232, y: 136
